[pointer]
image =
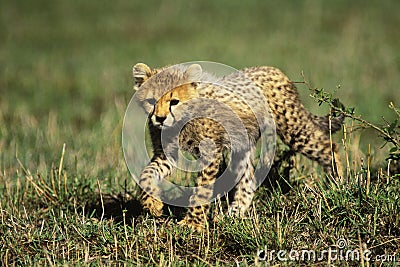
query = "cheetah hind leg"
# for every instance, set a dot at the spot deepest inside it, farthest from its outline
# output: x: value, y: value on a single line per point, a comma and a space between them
x: 244, y: 190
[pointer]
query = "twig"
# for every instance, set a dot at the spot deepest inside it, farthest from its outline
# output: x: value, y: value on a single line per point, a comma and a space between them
x: 352, y: 116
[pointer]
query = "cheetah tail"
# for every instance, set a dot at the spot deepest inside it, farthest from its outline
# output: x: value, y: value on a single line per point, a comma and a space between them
x: 336, y: 120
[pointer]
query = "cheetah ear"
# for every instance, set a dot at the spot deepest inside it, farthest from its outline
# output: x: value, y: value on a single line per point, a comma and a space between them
x: 193, y: 73
x: 141, y: 73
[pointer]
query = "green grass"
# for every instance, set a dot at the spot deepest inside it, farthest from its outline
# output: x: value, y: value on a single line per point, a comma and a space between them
x: 65, y: 78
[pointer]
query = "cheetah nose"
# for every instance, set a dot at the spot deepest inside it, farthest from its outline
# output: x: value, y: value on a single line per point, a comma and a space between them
x: 160, y: 119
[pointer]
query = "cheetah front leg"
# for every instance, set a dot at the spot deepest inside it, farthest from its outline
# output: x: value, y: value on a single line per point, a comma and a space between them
x: 196, y: 217
x: 153, y: 173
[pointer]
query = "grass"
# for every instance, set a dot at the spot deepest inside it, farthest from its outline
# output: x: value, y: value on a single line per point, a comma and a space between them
x: 66, y: 197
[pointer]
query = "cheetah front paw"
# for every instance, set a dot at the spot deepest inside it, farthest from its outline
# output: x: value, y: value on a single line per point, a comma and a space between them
x: 153, y: 205
x: 192, y: 225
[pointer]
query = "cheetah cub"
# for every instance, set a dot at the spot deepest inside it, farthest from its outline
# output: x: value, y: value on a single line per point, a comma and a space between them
x: 202, y: 108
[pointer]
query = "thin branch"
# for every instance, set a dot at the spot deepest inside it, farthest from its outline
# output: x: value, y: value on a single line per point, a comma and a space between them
x: 327, y: 100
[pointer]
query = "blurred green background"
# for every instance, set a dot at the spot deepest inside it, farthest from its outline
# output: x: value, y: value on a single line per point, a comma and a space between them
x: 65, y: 66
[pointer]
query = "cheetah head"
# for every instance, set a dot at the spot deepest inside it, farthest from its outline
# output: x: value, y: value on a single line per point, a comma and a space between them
x: 171, y: 108
x: 152, y: 84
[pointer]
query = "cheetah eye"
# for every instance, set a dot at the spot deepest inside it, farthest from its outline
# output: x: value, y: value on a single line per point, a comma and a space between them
x: 173, y: 102
x: 151, y: 101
